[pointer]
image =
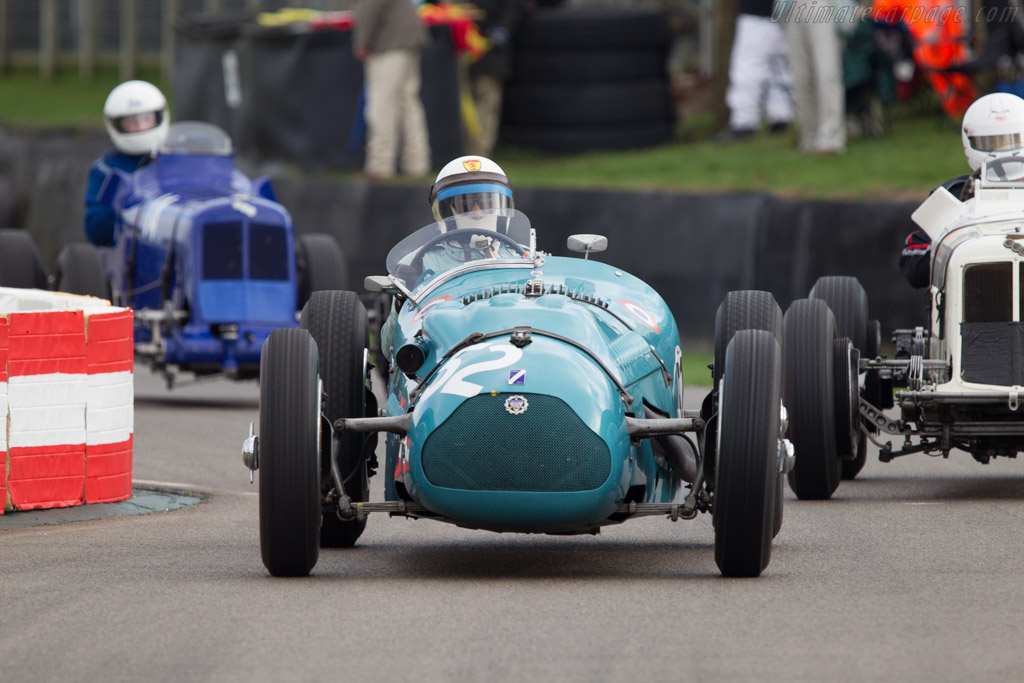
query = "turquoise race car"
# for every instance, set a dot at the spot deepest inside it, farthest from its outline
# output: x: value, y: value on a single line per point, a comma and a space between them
x: 525, y: 393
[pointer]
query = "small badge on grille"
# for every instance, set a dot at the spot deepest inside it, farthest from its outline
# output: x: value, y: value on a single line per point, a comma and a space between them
x: 516, y: 405
x: 517, y: 376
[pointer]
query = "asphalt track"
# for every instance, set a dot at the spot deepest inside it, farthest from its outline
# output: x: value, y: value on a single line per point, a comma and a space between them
x: 910, y: 573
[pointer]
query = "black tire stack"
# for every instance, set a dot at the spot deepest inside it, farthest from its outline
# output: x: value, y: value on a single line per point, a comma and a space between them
x: 589, y: 78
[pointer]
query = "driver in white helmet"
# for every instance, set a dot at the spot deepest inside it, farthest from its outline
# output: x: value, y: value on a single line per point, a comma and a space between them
x: 993, y: 125
x: 136, y: 119
x: 470, y: 193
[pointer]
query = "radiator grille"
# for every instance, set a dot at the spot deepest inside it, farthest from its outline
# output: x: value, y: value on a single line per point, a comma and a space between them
x: 483, y: 447
x: 222, y: 251
x: 268, y: 252
x: 988, y: 293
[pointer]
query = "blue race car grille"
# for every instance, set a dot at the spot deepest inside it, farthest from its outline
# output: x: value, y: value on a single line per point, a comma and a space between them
x: 547, y: 448
x: 268, y: 252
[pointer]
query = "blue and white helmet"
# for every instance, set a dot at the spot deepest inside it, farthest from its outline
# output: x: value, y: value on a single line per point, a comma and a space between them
x: 467, y: 184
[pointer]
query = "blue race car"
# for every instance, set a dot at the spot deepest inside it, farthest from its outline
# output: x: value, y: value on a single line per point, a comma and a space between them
x: 526, y: 393
x: 208, y: 260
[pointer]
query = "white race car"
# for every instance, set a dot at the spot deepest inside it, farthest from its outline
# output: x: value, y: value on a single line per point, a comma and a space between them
x: 959, y: 378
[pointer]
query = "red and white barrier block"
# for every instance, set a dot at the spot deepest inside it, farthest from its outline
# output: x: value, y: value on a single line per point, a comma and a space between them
x: 66, y: 400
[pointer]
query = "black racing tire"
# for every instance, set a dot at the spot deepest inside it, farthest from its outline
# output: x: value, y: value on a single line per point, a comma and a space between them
x: 289, y: 467
x: 579, y: 139
x: 851, y: 468
x: 571, y: 28
x: 337, y: 321
x: 80, y: 271
x: 849, y: 303
x: 320, y: 264
x: 589, y: 66
x: 747, y: 471
x: 590, y: 104
x: 743, y: 310
x: 809, y: 396
x: 20, y: 265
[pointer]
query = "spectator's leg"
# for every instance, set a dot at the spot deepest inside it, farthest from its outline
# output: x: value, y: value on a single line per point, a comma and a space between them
x: 486, y: 91
x: 827, y: 58
x: 383, y: 91
x: 779, y: 98
x: 415, y: 138
x: 747, y: 75
x: 803, y: 89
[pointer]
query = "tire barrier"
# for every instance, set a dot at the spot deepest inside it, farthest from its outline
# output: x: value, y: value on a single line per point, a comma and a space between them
x: 66, y: 400
x: 291, y: 94
x: 589, y: 78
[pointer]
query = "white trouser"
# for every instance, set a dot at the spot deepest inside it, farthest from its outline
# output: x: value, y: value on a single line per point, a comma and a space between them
x: 815, y: 55
x: 758, y: 74
x: 393, y: 107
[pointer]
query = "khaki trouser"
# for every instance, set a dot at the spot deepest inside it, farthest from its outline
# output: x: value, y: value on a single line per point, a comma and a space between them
x: 815, y: 56
x: 486, y: 92
x: 393, y: 109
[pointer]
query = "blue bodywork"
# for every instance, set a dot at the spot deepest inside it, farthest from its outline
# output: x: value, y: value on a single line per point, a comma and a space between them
x: 205, y: 257
x: 532, y: 437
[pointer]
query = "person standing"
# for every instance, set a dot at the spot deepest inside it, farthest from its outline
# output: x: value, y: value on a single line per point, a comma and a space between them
x: 759, y: 76
x: 488, y: 75
x: 816, y: 58
x: 388, y: 37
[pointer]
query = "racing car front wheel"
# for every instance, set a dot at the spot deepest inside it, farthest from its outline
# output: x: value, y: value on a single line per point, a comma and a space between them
x: 288, y: 456
x: 20, y: 265
x: 743, y: 310
x: 320, y: 264
x: 80, y: 271
x: 810, y: 399
x: 337, y: 321
x: 747, y: 472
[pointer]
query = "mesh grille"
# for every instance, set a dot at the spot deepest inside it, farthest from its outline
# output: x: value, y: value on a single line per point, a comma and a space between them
x: 483, y: 447
x: 988, y: 293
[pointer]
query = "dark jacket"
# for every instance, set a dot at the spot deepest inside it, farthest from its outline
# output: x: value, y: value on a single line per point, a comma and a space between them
x: 761, y: 8
x: 498, y: 25
x: 382, y: 25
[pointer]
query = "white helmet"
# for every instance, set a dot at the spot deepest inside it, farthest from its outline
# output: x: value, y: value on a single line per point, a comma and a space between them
x: 469, y: 183
x: 993, y: 123
x: 135, y: 115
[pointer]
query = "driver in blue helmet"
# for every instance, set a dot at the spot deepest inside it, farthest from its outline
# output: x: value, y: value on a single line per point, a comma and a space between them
x: 470, y: 193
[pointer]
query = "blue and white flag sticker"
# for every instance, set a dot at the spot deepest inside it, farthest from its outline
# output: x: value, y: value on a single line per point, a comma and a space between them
x: 517, y: 376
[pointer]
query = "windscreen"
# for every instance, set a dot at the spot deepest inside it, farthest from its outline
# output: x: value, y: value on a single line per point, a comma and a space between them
x: 1004, y: 169
x: 496, y: 236
x: 196, y: 137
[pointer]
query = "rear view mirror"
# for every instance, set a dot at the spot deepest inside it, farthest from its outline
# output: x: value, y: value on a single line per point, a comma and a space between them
x: 379, y: 283
x: 587, y: 244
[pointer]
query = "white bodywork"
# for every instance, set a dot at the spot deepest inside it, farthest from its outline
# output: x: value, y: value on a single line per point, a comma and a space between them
x: 987, y: 228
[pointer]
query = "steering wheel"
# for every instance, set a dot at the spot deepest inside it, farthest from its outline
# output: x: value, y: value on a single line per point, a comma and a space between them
x: 461, y: 236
